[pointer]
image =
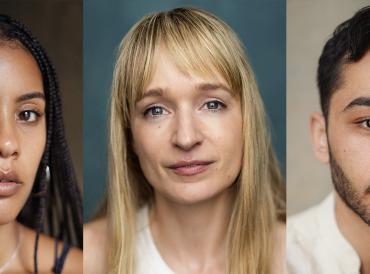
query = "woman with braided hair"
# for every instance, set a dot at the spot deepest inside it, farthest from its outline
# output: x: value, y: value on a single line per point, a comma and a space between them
x: 39, y: 195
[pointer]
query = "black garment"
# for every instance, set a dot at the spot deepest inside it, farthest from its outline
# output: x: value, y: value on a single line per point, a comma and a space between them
x: 59, y: 262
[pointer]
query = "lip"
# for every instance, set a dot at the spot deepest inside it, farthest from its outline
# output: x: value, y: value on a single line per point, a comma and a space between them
x: 9, y: 184
x: 190, y: 168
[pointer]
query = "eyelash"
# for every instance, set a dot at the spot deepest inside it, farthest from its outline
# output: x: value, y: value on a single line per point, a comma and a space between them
x: 221, y: 107
x: 365, y: 123
x: 36, y: 117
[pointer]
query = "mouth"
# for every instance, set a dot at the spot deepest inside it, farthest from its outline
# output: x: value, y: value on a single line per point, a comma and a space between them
x: 190, y: 168
x: 9, y: 184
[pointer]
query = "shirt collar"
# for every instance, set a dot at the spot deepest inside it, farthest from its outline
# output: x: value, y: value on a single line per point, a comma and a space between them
x: 333, y: 239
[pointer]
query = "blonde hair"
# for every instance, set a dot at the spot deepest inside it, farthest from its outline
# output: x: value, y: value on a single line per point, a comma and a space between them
x: 199, y: 43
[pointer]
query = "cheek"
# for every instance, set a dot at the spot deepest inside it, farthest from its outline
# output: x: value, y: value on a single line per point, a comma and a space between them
x: 33, y: 145
x: 352, y: 153
x: 149, y: 142
x: 234, y: 148
x: 227, y: 138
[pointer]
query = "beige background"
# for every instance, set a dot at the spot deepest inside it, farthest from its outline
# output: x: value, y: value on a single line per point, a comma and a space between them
x: 310, y: 23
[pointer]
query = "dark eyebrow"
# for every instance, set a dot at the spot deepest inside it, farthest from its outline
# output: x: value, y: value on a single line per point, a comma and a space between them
x: 358, y: 102
x: 31, y: 95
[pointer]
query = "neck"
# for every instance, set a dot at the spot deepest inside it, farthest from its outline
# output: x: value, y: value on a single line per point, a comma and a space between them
x: 355, y: 230
x: 8, y: 240
x: 192, y: 235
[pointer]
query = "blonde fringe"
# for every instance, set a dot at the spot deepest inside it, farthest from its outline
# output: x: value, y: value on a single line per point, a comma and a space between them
x: 201, y: 43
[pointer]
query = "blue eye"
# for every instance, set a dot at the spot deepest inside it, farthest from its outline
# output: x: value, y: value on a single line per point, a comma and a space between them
x: 28, y: 116
x: 215, y: 105
x: 155, y: 111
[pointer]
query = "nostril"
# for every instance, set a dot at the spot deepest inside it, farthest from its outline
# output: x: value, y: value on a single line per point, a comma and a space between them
x: 8, y: 148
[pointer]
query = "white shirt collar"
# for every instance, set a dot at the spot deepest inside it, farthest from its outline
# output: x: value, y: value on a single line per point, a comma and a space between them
x: 333, y: 239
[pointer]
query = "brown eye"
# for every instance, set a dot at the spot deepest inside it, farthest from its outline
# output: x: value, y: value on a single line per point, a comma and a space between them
x: 366, y: 124
x: 28, y: 116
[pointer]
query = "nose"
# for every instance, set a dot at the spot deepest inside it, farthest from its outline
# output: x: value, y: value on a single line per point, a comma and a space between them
x: 9, y: 146
x: 187, y: 133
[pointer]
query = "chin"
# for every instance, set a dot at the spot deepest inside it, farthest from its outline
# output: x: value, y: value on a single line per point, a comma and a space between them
x: 9, y: 210
x: 194, y: 193
x: 7, y: 218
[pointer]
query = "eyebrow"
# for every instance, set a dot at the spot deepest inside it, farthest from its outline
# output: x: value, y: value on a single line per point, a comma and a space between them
x: 31, y: 95
x: 212, y: 86
x: 158, y: 92
x: 358, y: 102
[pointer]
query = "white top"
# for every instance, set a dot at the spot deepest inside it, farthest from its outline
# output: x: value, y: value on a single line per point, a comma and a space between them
x: 148, y: 258
x: 315, y: 244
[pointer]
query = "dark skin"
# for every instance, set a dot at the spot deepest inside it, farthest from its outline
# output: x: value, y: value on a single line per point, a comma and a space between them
x: 22, y: 142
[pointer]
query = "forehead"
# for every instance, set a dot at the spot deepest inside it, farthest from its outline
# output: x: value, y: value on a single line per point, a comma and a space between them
x: 355, y: 83
x: 18, y: 70
x: 166, y: 72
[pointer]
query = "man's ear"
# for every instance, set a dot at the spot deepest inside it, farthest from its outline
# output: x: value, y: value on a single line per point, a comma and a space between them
x: 319, y: 138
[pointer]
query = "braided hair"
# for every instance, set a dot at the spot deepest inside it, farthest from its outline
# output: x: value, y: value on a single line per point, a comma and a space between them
x: 55, y: 205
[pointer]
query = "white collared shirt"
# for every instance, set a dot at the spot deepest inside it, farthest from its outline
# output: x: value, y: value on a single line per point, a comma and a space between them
x: 315, y: 244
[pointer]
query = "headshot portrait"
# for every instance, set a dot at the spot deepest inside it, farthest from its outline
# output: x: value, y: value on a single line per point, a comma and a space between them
x: 193, y: 184
x: 332, y: 234
x: 40, y: 198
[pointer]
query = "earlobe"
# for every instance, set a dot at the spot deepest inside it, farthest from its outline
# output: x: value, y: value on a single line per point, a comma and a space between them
x: 319, y: 138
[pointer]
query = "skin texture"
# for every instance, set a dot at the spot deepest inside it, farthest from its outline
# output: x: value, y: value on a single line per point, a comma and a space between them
x: 22, y: 142
x: 177, y: 121
x: 187, y: 129
x: 345, y: 143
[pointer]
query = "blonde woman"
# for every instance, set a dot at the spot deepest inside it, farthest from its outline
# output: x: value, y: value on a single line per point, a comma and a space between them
x: 194, y: 185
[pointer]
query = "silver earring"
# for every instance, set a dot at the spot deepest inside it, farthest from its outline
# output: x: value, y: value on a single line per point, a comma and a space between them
x: 47, y: 173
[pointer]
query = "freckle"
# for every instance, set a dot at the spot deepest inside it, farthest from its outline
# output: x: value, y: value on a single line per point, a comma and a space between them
x: 159, y: 126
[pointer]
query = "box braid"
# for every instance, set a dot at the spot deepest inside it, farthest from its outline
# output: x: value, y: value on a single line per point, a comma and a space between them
x: 55, y: 200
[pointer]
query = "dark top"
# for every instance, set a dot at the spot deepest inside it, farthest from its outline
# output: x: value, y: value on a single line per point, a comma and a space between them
x: 59, y: 261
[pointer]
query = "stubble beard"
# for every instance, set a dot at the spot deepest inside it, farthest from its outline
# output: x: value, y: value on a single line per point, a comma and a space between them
x: 344, y: 187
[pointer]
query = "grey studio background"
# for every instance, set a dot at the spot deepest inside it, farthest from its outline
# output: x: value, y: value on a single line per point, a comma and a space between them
x: 309, y: 25
x: 259, y: 24
x: 58, y: 26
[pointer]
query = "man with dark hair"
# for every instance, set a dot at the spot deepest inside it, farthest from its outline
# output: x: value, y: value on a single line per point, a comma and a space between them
x: 334, y: 237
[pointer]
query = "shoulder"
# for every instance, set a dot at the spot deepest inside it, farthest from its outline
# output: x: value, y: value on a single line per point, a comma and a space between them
x: 95, y: 246
x: 303, y: 226
x: 304, y: 239
x: 46, y: 254
x: 278, y: 262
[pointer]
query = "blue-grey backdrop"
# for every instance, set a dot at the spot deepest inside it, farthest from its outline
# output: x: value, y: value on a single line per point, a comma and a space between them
x: 260, y: 24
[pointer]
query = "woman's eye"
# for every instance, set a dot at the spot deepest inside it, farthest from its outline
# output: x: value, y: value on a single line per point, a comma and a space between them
x: 155, y: 111
x: 214, y: 105
x: 365, y: 124
x: 28, y: 116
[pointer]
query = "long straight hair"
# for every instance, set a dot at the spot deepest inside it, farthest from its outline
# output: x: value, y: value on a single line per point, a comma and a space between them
x: 198, y: 42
